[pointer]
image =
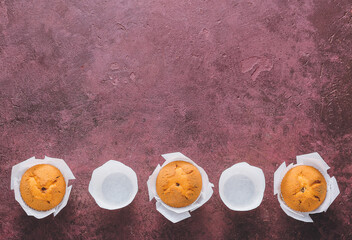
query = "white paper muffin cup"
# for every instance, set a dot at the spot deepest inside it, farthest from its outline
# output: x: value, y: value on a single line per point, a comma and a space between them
x: 178, y: 214
x: 16, y: 175
x: 252, y: 191
x: 316, y: 161
x: 113, y: 185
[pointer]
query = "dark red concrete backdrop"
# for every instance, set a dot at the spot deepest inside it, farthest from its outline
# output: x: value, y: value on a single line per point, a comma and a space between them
x: 220, y: 81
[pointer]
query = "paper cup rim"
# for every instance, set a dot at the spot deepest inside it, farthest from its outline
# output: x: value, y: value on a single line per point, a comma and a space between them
x: 260, y: 190
x: 119, y: 168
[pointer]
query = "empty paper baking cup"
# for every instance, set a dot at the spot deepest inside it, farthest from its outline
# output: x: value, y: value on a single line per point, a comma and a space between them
x: 113, y: 185
x: 241, y: 187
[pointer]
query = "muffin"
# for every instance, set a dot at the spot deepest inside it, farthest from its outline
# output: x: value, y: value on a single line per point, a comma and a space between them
x: 42, y: 187
x: 303, y: 188
x: 179, y: 184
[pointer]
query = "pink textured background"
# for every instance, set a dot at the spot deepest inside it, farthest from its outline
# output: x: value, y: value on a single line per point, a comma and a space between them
x: 220, y: 81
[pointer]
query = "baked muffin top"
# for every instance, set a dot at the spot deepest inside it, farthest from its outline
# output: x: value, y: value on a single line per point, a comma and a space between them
x: 179, y: 184
x: 303, y: 188
x: 42, y: 187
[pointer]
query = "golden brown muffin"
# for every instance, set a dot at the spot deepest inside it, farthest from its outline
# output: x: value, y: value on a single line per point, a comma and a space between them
x: 42, y: 187
x: 179, y: 184
x: 303, y: 188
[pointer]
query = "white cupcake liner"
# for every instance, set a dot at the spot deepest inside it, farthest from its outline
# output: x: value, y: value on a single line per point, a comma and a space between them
x: 178, y: 214
x: 316, y: 161
x: 100, y: 174
x: 255, y: 174
x: 16, y: 175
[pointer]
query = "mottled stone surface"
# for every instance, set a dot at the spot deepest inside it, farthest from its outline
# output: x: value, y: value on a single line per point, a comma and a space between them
x: 220, y: 81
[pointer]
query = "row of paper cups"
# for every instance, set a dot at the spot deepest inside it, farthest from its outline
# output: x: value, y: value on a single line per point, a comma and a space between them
x: 241, y: 187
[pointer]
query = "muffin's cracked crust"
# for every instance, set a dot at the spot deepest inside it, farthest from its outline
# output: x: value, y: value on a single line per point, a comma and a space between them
x: 303, y: 188
x: 179, y: 184
x: 42, y: 187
